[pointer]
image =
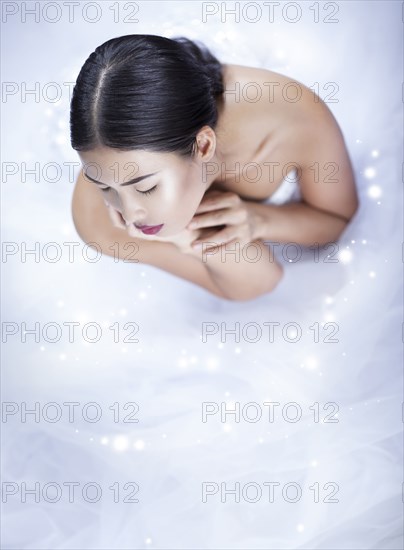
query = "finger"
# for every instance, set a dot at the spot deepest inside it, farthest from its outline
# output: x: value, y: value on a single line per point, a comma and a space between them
x: 225, y: 216
x: 215, y: 202
x: 222, y: 237
x: 116, y: 218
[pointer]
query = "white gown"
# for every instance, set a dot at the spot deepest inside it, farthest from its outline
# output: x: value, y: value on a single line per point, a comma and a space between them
x: 335, y: 354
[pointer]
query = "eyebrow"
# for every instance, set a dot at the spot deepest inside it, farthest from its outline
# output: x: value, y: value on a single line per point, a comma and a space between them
x: 130, y: 182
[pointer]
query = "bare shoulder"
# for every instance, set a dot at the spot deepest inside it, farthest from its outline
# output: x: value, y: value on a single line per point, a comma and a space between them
x: 295, y: 125
x: 95, y: 228
x: 281, y: 99
x: 273, y: 86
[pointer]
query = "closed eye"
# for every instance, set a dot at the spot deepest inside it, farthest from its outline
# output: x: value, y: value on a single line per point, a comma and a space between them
x: 143, y: 192
x: 148, y: 191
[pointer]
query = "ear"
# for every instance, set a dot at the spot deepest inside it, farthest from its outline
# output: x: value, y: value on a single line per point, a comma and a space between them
x: 205, y: 143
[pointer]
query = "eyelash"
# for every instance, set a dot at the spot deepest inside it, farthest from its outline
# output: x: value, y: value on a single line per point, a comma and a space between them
x: 143, y: 192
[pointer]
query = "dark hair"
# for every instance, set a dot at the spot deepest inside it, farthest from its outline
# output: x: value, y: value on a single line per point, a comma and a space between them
x: 142, y: 91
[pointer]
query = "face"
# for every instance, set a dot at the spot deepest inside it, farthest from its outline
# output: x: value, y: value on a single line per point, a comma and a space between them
x: 167, y: 197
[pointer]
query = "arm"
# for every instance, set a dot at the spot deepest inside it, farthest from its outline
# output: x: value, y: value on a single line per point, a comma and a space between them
x: 240, y: 264
x: 95, y: 227
x: 298, y: 223
x: 242, y: 272
x: 231, y: 279
x: 329, y: 202
x: 327, y: 185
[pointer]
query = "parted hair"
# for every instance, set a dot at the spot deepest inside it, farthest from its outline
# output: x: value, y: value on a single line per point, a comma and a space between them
x: 148, y: 92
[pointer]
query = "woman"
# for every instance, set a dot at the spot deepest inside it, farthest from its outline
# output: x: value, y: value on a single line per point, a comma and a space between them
x: 178, y: 149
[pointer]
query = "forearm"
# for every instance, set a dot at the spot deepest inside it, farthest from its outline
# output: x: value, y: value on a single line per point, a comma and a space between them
x: 242, y: 272
x: 297, y: 223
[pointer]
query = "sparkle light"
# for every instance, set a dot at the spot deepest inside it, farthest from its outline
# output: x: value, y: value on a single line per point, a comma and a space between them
x: 104, y: 440
x: 227, y: 428
x: 345, y: 256
x: 66, y: 229
x: 139, y: 445
x: 374, y: 191
x: 300, y: 528
x: 121, y: 443
x: 370, y: 172
x: 60, y: 303
x: 372, y: 274
x: 148, y: 540
x: 142, y: 295
x: 311, y: 362
x: 314, y: 463
x: 329, y: 300
x: 375, y: 153
x: 292, y: 333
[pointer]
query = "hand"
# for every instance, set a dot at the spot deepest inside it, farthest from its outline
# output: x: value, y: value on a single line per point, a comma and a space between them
x: 232, y: 214
x: 115, y: 217
x: 182, y: 240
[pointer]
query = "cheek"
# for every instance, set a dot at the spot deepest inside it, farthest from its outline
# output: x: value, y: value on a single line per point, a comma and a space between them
x: 178, y: 200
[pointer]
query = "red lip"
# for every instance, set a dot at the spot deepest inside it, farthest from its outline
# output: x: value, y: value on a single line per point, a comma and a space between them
x: 149, y: 229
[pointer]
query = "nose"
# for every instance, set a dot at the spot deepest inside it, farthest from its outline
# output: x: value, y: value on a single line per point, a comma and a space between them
x: 132, y: 212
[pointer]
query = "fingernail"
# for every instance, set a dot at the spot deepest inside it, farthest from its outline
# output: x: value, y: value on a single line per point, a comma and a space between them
x: 192, y: 225
x: 196, y: 245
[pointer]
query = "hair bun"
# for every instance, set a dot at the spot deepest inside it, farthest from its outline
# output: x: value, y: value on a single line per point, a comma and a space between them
x: 210, y: 65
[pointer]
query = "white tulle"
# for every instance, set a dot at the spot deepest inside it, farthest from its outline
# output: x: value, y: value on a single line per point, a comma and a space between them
x: 171, y: 371
x: 287, y: 191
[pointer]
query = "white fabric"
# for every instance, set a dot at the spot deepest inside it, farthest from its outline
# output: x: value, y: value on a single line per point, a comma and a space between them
x: 170, y: 372
x: 288, y: 190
